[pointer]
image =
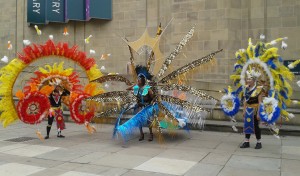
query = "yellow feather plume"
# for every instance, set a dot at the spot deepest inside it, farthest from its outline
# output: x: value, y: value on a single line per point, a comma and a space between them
x: 60, y: 67
x: 49, y: 68
x: 235, y: 77
x: 94, y: 73
x: 294, y: 64
x: 289, y: 88
x: 275, y: 41
x: 91, y: 89
x: 43, y: 70
x: 9, y: 74
x: 269, y: 53
x: 54, y: 68
x: 68, y: 71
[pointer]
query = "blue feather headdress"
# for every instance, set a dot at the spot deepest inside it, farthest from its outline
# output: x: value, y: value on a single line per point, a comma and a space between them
x: 142, y: 71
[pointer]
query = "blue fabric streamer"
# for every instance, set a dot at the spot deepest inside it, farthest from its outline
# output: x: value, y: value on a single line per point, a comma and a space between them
x: 175, y: 110
x: 140, y: 119
x: 118, y: 122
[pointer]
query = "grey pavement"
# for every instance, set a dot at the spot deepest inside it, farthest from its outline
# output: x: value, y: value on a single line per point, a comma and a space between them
x: 195, y: 153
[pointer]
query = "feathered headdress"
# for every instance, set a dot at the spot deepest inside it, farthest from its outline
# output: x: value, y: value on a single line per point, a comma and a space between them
x: 143, y: 71
x: 251, y: 73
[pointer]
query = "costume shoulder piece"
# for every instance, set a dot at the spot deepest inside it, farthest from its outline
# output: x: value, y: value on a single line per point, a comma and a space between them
x: 145, y: 90
x: 257, y: 91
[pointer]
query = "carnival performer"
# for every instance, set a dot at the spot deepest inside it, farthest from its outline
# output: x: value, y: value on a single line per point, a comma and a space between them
x: 252, y: 99
x: 144, y: 96
x: 157, y: 100
x: 56, y: 111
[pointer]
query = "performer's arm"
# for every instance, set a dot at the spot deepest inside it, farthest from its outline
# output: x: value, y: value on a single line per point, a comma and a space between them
x: 150, y: 92
x: 65, y: 92
x: 131, y: 87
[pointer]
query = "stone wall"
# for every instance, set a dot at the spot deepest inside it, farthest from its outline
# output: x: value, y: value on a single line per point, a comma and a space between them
x: 218, y: 24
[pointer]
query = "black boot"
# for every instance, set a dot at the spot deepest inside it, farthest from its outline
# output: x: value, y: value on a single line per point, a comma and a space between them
x: 141, y: 137
x: 60, y: 135
x: 245, y: 145
x: 48, y: 132
x: 258, y: 145
x: 150, y: 137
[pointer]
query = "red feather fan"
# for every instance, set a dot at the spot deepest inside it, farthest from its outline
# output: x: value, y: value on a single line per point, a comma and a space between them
x: 78, y: 114
x: 33, y: 108
x: 35, y: 51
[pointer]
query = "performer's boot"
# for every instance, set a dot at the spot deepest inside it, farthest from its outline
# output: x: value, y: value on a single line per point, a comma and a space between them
x: 258, y: 145
x: 151, y: 134
x: 245, y: 145
x: 48, y: 128
x: 141, y: 134
x: 141, y: 137
x: 59, y: 134
x: 150, y: 137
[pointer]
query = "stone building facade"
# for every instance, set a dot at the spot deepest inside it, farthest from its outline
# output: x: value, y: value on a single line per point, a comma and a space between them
x: 218, y: 24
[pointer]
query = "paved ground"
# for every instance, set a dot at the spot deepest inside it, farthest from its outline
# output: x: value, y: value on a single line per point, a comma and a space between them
x: 198, y: 153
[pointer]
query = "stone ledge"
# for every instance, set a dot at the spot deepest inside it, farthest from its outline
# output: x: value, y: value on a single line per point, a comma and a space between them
x: 213, y: 125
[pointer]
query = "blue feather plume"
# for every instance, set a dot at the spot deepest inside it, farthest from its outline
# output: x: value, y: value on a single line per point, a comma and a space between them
x: 237, y: 92
x: 271, y: 64
x: 237, y: 67
x: 140, y: 119
x: 225, y: 90
x: 284, y: 94
x: 283, y: 105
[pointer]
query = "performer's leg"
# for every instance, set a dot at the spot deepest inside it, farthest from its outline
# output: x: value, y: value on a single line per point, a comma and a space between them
x: 247, y: 137
x: 257, y: 134
x: 48, y: 128
x: 60, y: 124
x: 151, y: 134
x: 246, y: 143
x: 59, y: 132
x: 141, y: 133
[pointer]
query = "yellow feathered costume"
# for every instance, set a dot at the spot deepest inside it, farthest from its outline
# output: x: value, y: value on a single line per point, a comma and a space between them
x: 264, y: 57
